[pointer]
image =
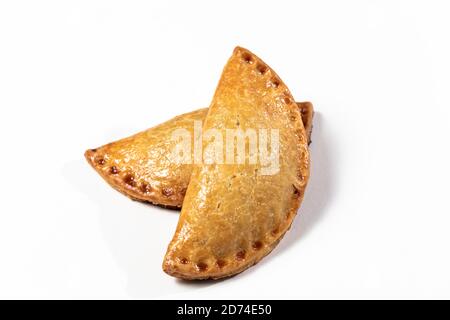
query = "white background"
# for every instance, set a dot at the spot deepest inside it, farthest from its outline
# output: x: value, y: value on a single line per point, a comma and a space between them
x: 375, y: 222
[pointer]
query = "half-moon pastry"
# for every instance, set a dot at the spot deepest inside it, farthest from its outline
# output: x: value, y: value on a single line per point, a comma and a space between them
x: 235, y: 214
x: 140, y: 166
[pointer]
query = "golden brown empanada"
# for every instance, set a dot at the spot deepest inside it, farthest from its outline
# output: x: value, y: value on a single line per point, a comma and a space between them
x: 141, y: 168
x: 232, y: 215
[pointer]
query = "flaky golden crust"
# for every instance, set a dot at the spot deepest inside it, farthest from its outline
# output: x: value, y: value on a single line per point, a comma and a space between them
x: 141, y: 166
x: 144, y: 156
x: 232, y: 216
x: 307, y: 112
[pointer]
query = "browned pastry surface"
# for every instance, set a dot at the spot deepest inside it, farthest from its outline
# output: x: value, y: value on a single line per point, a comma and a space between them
x: 232, y: 216
x: 307, y: 111
x: 139, y: 167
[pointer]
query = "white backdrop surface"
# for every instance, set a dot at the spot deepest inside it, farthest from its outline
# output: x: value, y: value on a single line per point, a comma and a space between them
x: 375, y: 222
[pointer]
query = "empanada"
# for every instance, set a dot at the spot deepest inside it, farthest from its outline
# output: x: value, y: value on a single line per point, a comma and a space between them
x: 233, y: 215
x: 140, y: 166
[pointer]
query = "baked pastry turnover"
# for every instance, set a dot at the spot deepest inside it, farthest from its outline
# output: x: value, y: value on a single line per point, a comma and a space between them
x: 233, y: 215
x: 140, y: 166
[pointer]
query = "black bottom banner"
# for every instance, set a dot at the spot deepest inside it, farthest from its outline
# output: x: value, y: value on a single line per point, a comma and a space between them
x: 230, y: 309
